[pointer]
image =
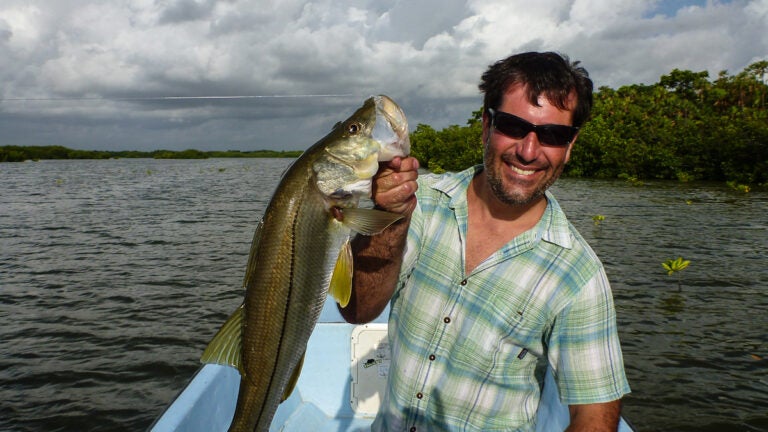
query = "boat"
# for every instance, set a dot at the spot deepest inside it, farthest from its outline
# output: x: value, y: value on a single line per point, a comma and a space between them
x: 344, y: 374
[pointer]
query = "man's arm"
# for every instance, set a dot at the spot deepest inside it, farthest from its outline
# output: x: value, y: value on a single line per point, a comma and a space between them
x: 377, y: 258
x: 597, y: 417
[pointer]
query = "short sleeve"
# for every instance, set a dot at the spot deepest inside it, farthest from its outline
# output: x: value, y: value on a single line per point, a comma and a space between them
x: 584, y: 347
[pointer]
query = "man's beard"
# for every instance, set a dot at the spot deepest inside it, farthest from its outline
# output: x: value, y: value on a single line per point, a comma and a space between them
x: 514, y: 198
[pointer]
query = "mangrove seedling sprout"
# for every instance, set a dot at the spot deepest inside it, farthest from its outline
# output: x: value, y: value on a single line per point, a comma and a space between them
x: 674, y: 266
x: 597, y: 219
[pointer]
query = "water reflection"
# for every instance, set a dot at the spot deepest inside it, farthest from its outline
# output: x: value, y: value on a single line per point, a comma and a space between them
x: 673, y: 303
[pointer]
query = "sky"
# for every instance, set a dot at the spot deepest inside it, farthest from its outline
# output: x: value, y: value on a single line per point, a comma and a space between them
x: 278, y: 74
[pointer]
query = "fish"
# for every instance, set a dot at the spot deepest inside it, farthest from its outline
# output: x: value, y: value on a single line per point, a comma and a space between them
x: 301, y: 252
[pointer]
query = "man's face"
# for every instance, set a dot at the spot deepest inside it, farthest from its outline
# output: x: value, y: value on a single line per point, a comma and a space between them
x: 520, y: 170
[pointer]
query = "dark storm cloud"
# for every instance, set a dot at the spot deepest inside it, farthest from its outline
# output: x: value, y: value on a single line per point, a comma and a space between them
x: 93, y: 74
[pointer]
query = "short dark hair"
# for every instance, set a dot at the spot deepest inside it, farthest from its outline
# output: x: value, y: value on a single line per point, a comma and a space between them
x: 548, y: 73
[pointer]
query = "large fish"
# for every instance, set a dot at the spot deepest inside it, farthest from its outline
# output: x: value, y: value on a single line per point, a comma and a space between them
x: 300, y: 252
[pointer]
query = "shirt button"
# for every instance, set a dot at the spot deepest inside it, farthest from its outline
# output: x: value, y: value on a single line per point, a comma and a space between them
x: 419, y: 395
x: 447, y: 320
x: 464, y: 282
x: 432, y: 357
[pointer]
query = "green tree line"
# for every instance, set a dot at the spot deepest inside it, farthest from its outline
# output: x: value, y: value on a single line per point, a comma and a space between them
x: 23, y: 153
x: 685, y: 127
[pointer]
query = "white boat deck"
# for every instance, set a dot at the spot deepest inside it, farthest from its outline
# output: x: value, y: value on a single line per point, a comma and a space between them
x: 344, y: 371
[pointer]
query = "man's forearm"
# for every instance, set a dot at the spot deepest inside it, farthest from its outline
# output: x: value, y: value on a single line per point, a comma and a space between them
x: 377, y: 258
x: 377, y: 261
x: 598, y: 417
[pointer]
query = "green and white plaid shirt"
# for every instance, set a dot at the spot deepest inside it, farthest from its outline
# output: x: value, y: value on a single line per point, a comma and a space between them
x: 469, y: 352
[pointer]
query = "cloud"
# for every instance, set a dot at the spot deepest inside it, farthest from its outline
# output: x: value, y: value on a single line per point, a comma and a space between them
x: 86, y: 73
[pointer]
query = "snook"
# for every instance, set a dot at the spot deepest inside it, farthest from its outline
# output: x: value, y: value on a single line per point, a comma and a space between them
x: 295, y: 249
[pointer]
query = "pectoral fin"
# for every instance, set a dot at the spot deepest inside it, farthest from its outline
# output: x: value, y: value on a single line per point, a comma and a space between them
x: 368, y: 221
x: 226, y: 345
x: 294, y: 379
x: 341, y: 279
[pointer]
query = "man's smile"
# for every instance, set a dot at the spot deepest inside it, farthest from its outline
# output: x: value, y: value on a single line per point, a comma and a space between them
x: 521, y: 171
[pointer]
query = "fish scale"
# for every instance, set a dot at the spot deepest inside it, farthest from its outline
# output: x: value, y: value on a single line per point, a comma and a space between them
x: 278, y: 309
x: 294, y: 251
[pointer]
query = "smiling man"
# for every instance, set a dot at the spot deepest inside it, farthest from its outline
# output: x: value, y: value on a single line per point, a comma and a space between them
x: 489, y: 283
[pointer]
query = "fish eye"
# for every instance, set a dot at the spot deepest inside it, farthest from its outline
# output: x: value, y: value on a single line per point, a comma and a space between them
x: 354, y: 128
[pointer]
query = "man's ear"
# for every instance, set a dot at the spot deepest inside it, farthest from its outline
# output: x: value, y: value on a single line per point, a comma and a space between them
x: 486, y: 136
x: 570, y: 147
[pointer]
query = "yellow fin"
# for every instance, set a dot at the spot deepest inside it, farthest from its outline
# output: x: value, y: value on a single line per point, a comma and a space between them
x: 226, y: 345
x: 341, y: 279
x: 294, y: 379
x: 368, y: 221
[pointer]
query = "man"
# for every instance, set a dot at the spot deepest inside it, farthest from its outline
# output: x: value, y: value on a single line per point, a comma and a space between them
x: 488, y: 282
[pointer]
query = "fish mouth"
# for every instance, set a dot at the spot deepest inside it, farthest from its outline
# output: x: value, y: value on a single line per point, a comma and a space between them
x: 391, y: 129
x: 377, y: 132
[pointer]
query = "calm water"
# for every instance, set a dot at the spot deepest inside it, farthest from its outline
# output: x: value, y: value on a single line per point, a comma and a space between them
x: 115, y: 274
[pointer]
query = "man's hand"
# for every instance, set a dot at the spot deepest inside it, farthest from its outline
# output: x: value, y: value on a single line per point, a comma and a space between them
x: 394, y: 185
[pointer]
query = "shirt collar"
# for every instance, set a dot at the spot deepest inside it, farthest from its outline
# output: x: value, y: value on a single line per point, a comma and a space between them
x: 455, y: 185
x: 553, y: 225
x: 552, y: 228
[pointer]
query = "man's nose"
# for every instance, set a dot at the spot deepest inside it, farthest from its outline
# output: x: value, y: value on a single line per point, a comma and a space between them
x: 528, y: 148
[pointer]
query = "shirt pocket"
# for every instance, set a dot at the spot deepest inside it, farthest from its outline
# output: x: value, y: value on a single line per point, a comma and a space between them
x: 500, y: 338
x: 519, y: 345
x: 499, y: 354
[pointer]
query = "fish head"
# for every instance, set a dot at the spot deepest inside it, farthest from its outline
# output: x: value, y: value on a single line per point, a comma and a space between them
x: 377, y: 131
x: 390, y: 129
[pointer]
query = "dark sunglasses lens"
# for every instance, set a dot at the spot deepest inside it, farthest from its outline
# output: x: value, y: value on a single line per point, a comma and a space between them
x: 517, y: 128
x: 555, y: 135
x: 512, y: 126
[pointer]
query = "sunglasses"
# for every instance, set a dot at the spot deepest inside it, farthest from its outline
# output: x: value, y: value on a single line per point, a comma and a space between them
x: 514, y: 127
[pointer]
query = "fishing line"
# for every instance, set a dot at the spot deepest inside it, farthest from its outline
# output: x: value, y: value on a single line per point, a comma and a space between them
x: 160, y: 98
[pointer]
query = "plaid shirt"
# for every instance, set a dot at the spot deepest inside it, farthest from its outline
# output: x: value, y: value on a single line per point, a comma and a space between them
x: 469, y: 352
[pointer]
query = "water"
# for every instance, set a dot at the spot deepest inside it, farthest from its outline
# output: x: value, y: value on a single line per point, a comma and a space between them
x: 115, y: 274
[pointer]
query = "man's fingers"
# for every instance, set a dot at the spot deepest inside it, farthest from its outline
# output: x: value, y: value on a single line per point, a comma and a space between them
x: 395, y: 185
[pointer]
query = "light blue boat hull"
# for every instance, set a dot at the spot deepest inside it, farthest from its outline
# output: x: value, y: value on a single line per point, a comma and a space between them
x: 323, y: 399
